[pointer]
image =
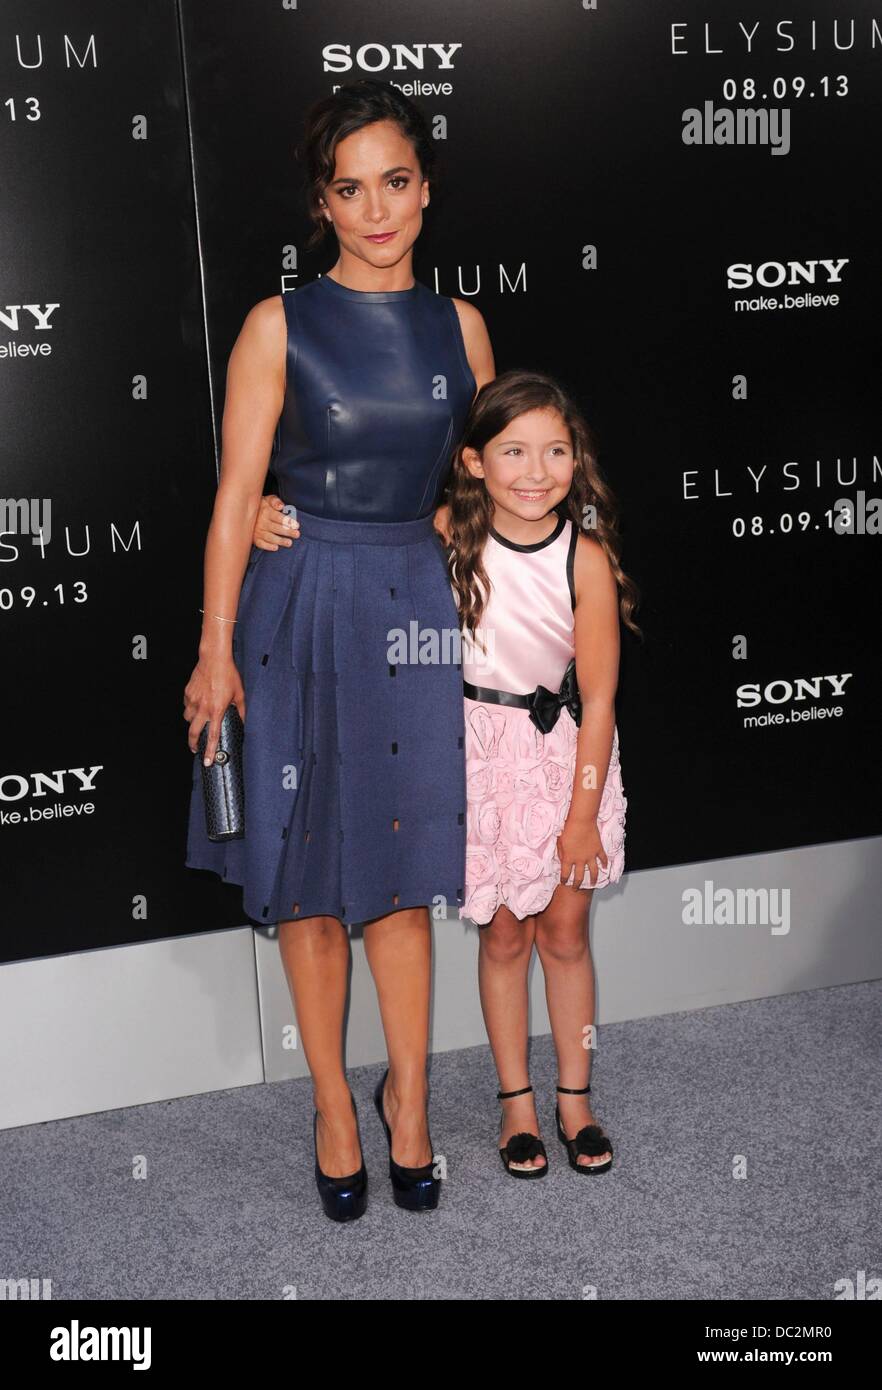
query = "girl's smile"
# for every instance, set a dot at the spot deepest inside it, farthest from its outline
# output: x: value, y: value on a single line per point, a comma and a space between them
x: 531, y: 494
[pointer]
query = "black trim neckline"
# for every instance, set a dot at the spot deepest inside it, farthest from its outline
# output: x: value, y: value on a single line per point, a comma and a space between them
x: 370, y: 296
x: 537, y: 545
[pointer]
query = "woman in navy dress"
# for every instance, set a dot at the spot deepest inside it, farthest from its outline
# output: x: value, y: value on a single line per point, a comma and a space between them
x: 354, y: 387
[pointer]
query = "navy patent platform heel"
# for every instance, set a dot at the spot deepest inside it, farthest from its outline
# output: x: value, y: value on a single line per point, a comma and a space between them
x: 414, y: 1189
x: 343, y: 1199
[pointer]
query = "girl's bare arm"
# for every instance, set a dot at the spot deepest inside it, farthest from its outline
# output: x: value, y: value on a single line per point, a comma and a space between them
x: 597, y: 672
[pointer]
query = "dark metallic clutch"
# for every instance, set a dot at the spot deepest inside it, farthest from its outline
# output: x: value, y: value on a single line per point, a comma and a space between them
x: 223, y: 783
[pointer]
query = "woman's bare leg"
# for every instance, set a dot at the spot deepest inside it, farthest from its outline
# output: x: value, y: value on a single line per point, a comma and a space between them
x: 505, y: 948
x: 315, y: 954
x: 399, y: 951
x: 562, y: 943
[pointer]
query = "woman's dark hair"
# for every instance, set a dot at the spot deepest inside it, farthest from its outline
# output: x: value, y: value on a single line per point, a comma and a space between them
x: 332, y: 118
x: 500, y: 401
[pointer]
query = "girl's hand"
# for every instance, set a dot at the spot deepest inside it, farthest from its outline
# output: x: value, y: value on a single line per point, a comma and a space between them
x: 214, y: 685
x: 272, y: 526
x: 579, y: 846
x: 441, y: 521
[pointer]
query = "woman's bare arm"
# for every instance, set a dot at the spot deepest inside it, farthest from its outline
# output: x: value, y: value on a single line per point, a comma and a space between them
x: 255, y: 392
x: 254, y: 398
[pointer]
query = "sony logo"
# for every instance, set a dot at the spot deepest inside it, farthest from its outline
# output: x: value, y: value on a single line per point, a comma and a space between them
x: 376, y: 57
x: 14, y: 785
x: 772, y: 273
x: 781, y: 692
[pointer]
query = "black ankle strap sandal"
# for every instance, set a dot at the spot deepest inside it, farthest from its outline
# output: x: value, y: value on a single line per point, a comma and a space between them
x: 521, y: 1148
x: 590, y: 1141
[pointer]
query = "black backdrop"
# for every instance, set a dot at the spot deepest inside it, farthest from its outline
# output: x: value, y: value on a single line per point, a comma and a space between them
x: 150, y: 194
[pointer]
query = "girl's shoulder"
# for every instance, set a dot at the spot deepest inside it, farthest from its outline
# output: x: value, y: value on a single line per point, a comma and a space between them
x: 588, y: 549
x: 589, y: 566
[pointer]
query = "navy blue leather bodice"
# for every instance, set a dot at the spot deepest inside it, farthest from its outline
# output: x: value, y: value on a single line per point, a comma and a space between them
x: 378, y: 388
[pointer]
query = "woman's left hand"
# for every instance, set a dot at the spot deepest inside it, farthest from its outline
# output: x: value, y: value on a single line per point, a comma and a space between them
x: 579, y: 846
x: 441, y: 522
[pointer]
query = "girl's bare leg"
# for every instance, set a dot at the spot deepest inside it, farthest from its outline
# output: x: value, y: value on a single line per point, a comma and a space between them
x: 562, y: 943
x: 505, y: 948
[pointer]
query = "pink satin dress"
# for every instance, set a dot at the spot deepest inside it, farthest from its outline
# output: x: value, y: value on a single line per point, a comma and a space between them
x: 519, y: 780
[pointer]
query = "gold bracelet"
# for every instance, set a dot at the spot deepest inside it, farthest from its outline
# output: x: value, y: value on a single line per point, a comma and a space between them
x: 219, y: 618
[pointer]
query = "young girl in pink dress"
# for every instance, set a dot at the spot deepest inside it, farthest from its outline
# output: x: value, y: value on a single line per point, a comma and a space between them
x: 534, y: 562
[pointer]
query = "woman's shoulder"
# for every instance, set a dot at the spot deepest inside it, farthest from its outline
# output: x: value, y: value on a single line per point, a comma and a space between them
x: 470, y: 317
x: 266, y: 317
x: 476, y: 340
x: 468, y: 312
x: 263, y: 339
x: 274, y: 310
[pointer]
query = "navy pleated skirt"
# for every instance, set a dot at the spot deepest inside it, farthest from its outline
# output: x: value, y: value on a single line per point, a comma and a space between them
x: 342, y: 743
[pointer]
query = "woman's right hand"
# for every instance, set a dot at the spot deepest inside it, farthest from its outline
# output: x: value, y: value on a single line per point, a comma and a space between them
x: 214, y: 685
x: 273, y: 527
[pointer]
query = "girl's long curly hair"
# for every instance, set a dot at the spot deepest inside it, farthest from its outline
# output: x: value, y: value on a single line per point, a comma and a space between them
x: 496, y: 405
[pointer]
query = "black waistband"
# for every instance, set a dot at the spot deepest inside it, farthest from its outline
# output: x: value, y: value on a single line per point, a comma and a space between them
x: 544, y: 705
x: 495, y: 697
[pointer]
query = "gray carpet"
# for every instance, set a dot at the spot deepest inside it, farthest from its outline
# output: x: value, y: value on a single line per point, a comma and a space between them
x: 229, y: 1207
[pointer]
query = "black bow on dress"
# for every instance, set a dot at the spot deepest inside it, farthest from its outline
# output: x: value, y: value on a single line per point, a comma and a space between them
x: 545, y: 706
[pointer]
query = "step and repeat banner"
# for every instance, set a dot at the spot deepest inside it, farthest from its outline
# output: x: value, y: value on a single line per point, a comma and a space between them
x: 672, y: 207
